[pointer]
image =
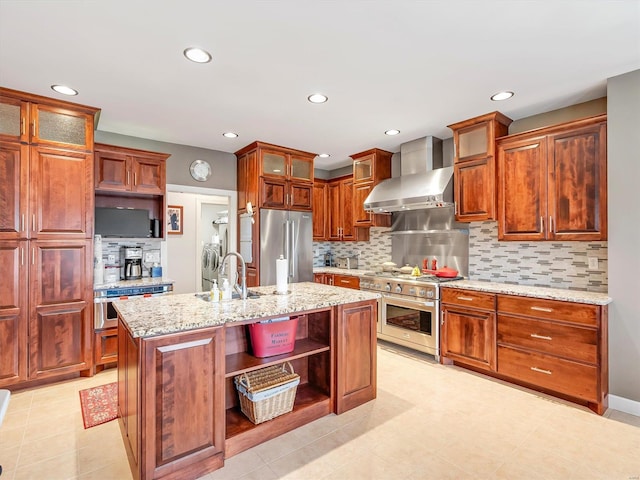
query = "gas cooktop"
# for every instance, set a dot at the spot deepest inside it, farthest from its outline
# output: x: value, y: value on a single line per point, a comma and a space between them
x: 410, y: 278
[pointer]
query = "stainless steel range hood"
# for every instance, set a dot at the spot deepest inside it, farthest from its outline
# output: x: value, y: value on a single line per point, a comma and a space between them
x: 423, y: 182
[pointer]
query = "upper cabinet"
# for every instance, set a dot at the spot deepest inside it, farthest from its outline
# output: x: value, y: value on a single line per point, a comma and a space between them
x: 276, y: 177
x: 119, y: 169
x: 474, y: 165
x: 369, y: 168
x: 42, y: 121
x: 46, y: 167
x: 552, y: 183
x: 320, y: 209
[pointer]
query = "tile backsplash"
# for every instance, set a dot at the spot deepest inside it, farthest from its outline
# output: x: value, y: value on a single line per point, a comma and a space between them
x: 546, y: 264
x: 372, y: 254
x: 111, y: 246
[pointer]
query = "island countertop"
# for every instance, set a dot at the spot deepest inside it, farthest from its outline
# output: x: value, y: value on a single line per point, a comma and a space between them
x: 149, y: 317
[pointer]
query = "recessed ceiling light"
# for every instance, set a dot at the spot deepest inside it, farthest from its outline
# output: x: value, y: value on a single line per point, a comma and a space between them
x: 63, y: 89
x: 324, y: 155
x: 392, y: 132
x: 317, y: 98
x: 501, y: 96
x: 230, y: 135
x: 197, y: 55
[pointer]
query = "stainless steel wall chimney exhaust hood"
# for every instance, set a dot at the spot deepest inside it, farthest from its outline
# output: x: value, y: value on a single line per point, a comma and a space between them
x: 423, y: 182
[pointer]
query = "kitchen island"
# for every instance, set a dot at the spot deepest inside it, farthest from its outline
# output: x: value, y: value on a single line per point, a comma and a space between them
x: 178, y: 355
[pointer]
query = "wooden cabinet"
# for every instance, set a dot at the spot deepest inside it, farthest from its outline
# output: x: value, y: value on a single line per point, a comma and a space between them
x: 552, y: 183
x: 105, y: 346
x: 131, y: 178
x: 13, y: 312
x: 320, y: 210
x: 37, y: 120
x: 341, y: 223
x: 338, y: 280
x: 475, y: 166
x: 119, y: 169
x: 468, y: 328
x: 270, y: 176
x: 369, y: 168
x: 356, y: 353
x: 555, y: 346
x: 61, y: 307
x: 46, y: 227
x: 173, y: 421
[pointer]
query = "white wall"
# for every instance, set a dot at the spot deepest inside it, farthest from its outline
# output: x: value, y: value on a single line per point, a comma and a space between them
x: 623, y: 142
x: 183, y: 251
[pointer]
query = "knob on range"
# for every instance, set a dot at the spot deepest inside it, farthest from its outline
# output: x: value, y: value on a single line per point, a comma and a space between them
x: 387, y: 287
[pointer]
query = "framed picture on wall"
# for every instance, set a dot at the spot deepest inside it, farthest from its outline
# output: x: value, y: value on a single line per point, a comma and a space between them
x: 174, y: 219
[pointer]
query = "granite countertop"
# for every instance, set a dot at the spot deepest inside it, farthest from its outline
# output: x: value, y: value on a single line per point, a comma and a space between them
x: 580, y: 296
x: 142, y: 282
x: 354, y: 272
x: 148, y: 317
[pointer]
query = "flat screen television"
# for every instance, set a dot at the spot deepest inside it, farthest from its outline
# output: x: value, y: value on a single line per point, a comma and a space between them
x: 122, y: 222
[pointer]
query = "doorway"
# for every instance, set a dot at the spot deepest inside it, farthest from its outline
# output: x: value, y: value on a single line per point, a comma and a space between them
x: 204, y: 211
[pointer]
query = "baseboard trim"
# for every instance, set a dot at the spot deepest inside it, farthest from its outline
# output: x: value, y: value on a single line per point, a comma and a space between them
x: 624, y: 405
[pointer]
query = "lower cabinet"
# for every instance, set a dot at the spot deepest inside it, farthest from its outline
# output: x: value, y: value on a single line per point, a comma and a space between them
x: 178, y: 406
x: 171, y: 402
x: 105, y: 346
x: 468, y: 328
x: 338, y: 280
x: 557, y: 347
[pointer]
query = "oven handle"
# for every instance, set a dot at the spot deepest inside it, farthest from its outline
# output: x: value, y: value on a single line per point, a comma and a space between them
x: 403, y: 302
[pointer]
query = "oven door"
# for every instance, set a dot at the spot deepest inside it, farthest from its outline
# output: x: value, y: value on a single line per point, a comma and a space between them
x: 412, y: 323
x: 104, y: 315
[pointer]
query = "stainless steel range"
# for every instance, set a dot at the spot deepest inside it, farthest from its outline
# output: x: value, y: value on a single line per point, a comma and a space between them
x: 409, y: 312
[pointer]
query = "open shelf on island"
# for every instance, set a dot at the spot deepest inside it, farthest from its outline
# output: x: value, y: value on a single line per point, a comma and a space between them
x: 242, y: 362
x: 241, y: 433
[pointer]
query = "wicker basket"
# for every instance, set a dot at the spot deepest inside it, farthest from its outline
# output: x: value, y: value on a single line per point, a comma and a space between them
x: 268, y: 392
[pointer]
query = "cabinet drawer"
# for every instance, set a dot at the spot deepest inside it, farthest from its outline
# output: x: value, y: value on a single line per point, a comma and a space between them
x: 346, y: 281
x: 469, y: 298
x: 549, y: 309
x: 577, y: 343
x: 562, y: 376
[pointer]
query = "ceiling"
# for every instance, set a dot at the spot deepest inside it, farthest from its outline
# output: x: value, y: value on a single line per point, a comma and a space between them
x: 415, y: 66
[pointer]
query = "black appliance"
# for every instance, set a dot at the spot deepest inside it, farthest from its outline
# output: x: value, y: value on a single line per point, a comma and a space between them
x: 122, y: 222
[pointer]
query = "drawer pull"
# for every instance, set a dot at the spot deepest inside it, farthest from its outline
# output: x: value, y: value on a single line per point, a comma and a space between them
x: 542, y: 309
x: 540, y: 370
x: 541, y: 337
x: 344, y: 281
x: 466, y: 299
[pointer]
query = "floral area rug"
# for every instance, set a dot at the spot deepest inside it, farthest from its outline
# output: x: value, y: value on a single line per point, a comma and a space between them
x: 99, y: 404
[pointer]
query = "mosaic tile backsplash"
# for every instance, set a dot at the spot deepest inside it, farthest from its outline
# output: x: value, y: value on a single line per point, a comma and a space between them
x: 111, y: 246
x: 542, y: 264
x: 371, y: 254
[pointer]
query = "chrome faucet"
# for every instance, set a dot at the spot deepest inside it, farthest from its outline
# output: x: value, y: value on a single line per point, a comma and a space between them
x: 242, y: 289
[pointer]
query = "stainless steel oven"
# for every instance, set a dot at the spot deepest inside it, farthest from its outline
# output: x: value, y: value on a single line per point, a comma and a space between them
x: 409, y: 309
x: 105, y: 315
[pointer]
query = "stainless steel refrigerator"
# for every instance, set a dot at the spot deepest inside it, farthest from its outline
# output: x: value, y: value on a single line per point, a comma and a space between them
x: 289, y: 234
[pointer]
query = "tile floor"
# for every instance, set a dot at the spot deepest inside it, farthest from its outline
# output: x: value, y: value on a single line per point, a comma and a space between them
x: 428, y: 422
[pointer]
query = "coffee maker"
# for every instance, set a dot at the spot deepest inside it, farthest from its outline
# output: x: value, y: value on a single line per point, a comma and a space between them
x: 131, y: 263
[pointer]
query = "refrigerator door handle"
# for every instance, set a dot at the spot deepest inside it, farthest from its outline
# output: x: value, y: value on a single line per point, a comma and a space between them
x: 286, y: 239
x: 292, y: 258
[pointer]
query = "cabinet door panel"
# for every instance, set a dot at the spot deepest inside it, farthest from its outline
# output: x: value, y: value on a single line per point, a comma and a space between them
x: 301, y: 169
x: 61, y: 127
x: 475, y: 190
x: 346, y: 208
x: 273, y: 164
x: 148, y: 176
x: 112, y: 171
x: 356, y: 355
x: 14, y: 175
x: 13, y: 120
x: 361, y: 217
x: 522, y: 190
x: 273, y: 193
x: 320, y: 211
x: 13, y: 318
x: 469, y: 336
x: 577, y: 199
x: 335, y: 218
x: 300, y: 196
x: 61, y: 194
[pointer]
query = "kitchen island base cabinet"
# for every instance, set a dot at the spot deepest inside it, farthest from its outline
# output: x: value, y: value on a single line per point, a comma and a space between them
x: 171, y: 402
x: 178, y: 406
